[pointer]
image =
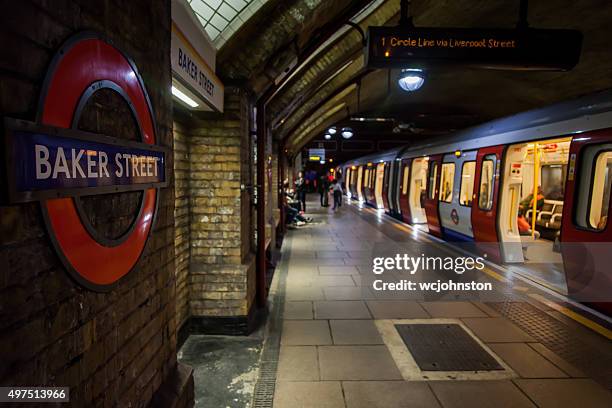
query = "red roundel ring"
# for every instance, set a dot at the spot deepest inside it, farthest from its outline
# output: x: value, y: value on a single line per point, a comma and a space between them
x: 454, y: 216
x: 85, y: 60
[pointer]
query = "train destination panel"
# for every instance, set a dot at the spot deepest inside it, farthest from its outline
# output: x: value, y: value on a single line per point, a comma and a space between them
x: 516, y: 49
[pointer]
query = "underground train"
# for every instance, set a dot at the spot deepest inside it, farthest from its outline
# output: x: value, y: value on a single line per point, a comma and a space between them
x: 477, y: 186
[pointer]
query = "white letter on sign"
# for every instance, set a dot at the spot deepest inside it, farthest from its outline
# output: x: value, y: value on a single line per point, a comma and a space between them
x: 42, y: 161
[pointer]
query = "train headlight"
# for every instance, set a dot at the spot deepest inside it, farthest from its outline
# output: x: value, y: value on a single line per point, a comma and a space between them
x: 411, y: 79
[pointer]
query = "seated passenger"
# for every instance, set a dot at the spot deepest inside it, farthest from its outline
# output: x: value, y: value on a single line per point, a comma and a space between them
x: 523, y: 226
x: 527, y: 202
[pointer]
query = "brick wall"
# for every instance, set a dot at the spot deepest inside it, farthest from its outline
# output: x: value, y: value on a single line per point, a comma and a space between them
x: 182, y: 220
x: 111, y: 349
x: 221, y: 273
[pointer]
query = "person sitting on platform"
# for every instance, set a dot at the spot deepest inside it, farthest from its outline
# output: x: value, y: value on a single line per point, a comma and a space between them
x: 292, y: 206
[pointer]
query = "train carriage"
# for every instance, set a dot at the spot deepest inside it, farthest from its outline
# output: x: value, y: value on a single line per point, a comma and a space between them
x: 531, y: 190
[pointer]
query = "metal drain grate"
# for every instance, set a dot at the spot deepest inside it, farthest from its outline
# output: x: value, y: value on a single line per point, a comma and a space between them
x: 263, y: 394
x: 595, y: 362
x: 445, y: 347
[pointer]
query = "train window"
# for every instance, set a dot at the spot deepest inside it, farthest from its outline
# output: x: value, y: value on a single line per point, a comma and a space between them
x: 446, y: 182
x: 487, y: 183
x: 468, y: 171
x: 433, y: 175
x: 553, y: 181
x: 405, y: 180
x: 600, y: 191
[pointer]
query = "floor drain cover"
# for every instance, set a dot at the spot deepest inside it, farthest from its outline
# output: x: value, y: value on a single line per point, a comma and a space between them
x: 445, y: 347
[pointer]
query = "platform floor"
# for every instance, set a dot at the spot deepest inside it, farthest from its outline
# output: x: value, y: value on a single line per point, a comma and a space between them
x: 327, y: 345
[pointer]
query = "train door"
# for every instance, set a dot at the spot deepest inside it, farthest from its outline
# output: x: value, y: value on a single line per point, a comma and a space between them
x: 484, y: 207
x: 397, y: 188
x: 456, y: 194
x: 586, y: 234
x: 531, y: 209
x: 431, y: 198
x: 404, y: 205
x: 360, y: 183
x: 347, y: 181
x: 378, y: 180
x: 417, y: 190
x: 366, y: 184
x: 385, y: 185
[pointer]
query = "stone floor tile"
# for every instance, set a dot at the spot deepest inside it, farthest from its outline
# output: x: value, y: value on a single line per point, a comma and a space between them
x: 566, y: 393
x: 305, y: 293
x: 525, y: 361
x: 496, y: 330
x: 568, y: 368
x: 357, y: 363
x: 388, y: 394
x: 452, y: 309
x: 479, y: 394
x: 338, y: 270
x: 341, y: 309
x: 334, y: 280
x: 329, y: 262
x: 347, y: 293
x: 355, y: 332
x: 298, y: 363
x: 487, y: 309
x: 396, y: 309
x: 308, y: 395
x: 331, y: 254
x: 305, y: 333
x: 298, y: 310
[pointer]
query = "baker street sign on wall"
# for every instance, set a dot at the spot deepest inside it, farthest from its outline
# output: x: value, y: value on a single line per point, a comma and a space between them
x: 51, y: 161
x: 46, y: 162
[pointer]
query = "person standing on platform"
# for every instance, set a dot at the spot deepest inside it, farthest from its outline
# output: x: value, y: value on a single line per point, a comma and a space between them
x: 300, y: 189
x: 323, y: 189
x: 337, y: 189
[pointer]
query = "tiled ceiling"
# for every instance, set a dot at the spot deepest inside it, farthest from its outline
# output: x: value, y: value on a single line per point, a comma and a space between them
x: 222, y: 18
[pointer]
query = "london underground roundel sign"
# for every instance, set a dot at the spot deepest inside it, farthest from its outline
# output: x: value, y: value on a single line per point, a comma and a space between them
x: 52, y: 162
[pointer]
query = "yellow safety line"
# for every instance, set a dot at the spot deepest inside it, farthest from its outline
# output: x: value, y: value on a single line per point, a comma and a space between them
x: 574, y: 316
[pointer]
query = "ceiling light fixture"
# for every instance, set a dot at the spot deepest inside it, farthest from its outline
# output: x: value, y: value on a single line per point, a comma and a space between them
x: 183, y: 98
x: 411, y: 79
x: 347, y: 133
x: 332, y: 130
x: 327, y: 136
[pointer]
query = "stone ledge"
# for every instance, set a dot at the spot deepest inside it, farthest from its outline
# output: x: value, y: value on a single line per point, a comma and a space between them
x: 177, y: 391
x: 222, y: 325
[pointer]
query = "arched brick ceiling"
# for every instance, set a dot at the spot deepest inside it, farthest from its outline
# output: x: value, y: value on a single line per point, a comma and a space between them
x: 277, y: 35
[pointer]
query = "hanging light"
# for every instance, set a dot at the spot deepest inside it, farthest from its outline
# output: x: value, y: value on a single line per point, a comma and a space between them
x: 411, y: 79
x: 327, y: 136
x: 332, y: 130
x: 347, y: 133
x: 322, y: 162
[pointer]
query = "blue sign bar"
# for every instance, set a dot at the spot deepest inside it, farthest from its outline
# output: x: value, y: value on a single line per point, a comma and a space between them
x: 60, y: 163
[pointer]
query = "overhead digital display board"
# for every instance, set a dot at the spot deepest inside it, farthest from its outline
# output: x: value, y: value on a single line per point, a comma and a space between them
x: 316, y: 154
x: 513, y: 49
